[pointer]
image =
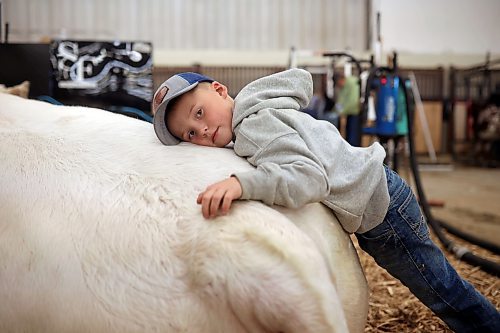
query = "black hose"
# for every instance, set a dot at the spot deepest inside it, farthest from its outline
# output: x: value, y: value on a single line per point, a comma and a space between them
x: 469, y: 238
x: 459, y: 251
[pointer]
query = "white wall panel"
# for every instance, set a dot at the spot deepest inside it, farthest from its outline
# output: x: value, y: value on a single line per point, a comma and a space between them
x: 444, y: 26
x: 194, y: 24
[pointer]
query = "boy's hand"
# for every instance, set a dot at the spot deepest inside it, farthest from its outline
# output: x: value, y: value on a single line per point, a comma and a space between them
x: 217, y: 198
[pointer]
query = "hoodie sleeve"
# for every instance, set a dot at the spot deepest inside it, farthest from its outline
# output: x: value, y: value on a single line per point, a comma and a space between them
x: 287, y: 173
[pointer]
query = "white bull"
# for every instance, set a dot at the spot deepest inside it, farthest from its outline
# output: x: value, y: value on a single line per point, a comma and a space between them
x: 100, y: 232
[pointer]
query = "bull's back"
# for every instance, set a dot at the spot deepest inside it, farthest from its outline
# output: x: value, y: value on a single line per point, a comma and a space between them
x: 100, y: 231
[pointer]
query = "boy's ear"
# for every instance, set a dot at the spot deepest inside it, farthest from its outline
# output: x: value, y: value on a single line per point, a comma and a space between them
x: 220, y: 89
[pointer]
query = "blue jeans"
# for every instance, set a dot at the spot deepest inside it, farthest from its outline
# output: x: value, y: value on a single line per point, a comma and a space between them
x: 402, y: 246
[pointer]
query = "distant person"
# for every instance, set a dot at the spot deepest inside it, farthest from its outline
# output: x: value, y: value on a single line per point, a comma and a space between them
x: 347, y: 104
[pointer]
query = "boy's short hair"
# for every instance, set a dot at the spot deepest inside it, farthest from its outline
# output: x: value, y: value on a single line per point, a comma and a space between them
x: 175, y: 86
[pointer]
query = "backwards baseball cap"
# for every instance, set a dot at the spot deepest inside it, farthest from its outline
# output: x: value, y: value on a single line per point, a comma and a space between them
x: 175, y: 86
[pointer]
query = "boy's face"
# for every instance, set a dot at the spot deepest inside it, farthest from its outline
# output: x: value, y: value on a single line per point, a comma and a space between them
x: 203, y: 116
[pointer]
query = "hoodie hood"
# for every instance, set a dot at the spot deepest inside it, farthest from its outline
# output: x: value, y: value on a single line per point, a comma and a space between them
x: 278, y: 91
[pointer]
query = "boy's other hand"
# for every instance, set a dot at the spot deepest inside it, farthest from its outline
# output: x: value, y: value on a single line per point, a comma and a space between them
x: 217, y: 198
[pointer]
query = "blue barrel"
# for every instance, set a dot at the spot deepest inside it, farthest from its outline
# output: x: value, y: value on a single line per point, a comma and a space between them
x: 386, y: 105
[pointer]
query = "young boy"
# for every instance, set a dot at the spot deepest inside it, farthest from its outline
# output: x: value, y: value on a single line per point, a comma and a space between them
x: 300, y: 160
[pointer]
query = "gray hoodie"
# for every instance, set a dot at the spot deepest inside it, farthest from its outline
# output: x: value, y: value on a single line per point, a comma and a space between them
x: 299, y: 159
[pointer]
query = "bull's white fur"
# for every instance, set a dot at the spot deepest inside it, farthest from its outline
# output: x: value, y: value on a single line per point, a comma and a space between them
x: 100, y: 232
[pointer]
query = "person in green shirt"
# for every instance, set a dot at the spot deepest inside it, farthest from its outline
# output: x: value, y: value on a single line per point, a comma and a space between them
x: 347, y: 104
